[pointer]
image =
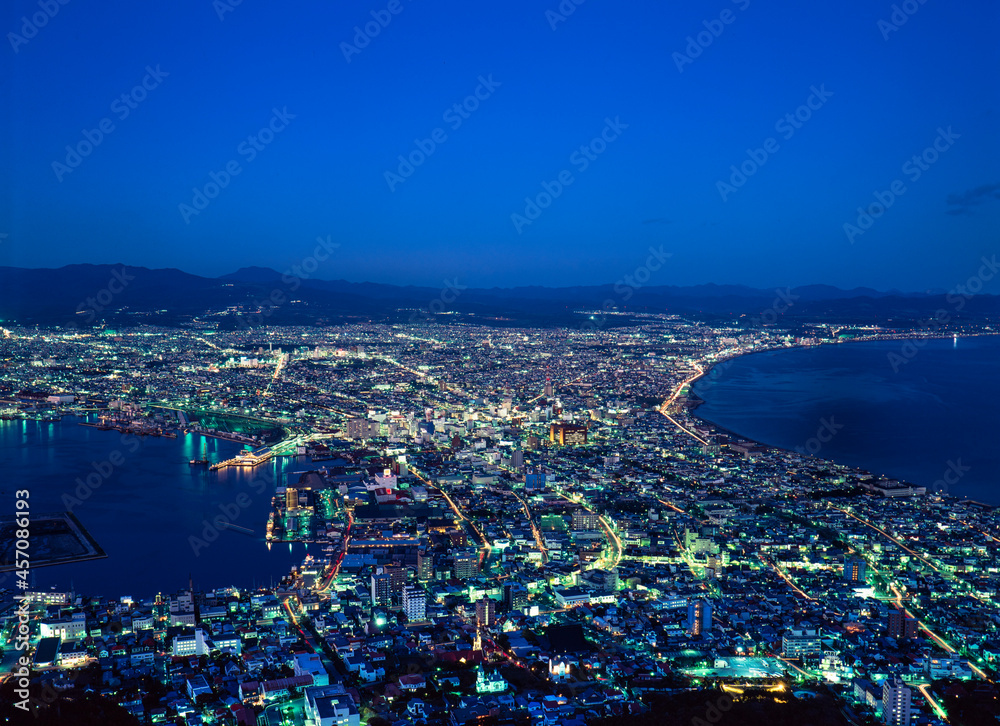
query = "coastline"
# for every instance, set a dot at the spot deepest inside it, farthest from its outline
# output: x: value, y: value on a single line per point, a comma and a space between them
x: 717, y: 429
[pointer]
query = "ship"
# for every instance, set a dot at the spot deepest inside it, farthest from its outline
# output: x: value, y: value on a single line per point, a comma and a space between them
x: 203, y: 461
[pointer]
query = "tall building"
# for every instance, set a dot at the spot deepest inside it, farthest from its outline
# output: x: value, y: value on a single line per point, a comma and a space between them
x: 534, y: 481
x: 291, y: 498
x: 547, y: 391
x: 515, y: 596
x: 901, y: 626
x: 585, y: 521
x: 802, y: 642
x: 381, y: 588
x: 567, y: 434
x: 896, y: 698
x: 425, y: 566
x: 699, y: 617
x: 466, y: 564
x: 357, y: 428
x: 486, y: 613
x: 414, y: 604
x: 855, y: 569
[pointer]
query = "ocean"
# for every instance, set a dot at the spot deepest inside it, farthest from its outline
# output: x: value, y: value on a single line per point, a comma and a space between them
x: 144, y: 506
x: 927, y: 413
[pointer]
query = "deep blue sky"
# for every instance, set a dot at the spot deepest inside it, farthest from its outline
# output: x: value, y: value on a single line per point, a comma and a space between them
x: 654, y: 185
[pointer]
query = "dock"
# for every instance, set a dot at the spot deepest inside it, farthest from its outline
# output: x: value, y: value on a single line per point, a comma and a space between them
x: 245, y: 459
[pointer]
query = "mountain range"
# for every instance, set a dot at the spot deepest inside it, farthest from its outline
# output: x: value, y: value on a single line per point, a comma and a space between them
x: 117, y: 294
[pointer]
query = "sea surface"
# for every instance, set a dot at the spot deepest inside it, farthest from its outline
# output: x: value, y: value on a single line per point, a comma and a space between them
x: 146, y: 510
x: 927, y: 413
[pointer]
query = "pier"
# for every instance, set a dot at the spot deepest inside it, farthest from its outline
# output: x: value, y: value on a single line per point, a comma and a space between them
x: 245, y: 459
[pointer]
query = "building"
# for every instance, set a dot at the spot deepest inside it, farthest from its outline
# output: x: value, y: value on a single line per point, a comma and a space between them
x: 567, y: 434
x: 515, y: 596
x: 855, y: 569
x: 70, y: 629
x: 901, y: 626
x: 414, y: 604
x: 425, y: 566
x: 585, y: 521
x: 466, y: 564
x: 491, y: 682
x: 486, y: 612
x: 896, y: 699
x: 534, y: 481
x: 309, y: 664
x: 330, y: 706
x: 381, y: 588
x: 801, y: 643
x: 699, y: 617
x: 360, y: 428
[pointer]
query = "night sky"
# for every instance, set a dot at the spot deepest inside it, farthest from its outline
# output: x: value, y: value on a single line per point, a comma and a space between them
x: 343, y: 107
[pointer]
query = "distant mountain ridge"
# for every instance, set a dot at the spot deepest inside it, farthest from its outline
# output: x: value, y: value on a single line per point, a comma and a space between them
x: 87, y: 294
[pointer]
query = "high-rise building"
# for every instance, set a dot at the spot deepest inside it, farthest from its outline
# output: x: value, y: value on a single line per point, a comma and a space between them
x: 534, y: 481
x: 586, y: 521
x: 357, y: 428
x: 699, y: 617
x: 486, y: 613
x: 414, y: 604
x: 425, y: 566
x: 896, y: 701
x: 515, y: 596
x: 901, y: 626
x: 567, y: 434
x: 855, y: 569
x: 466, y: 564
x: 547, y: 391
x: 291, y: 498
x: 798, y: 643
x: 381, y: 588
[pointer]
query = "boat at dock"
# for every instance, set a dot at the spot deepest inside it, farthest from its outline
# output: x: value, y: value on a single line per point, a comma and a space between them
x: 203, y: 461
